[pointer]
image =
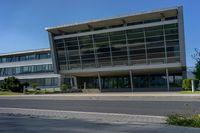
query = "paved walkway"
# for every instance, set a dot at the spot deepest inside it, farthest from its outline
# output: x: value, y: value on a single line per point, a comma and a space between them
x: 138, y: 96
x: 90, y: 116
x: 29, y: 124
x: 159, y: 94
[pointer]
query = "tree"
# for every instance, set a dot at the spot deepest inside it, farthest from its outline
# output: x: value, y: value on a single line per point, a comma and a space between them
x: 12, y: 84
x: 186, y: 84
x: 25, y: 84
x: 196, y: 57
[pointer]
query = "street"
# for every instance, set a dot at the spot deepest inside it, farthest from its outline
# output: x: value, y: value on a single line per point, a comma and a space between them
x: 157, y: 108
x: 32, y: 114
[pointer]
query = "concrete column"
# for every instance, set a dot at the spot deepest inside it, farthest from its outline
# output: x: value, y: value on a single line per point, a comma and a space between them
x: 75, y: 82
x: 145, y: 44
x: 165, y: 45
x: 131, y: 80
x: 128, y: 50
x: 167, y: 77
x: 66, y: 55
x: 84, y: 85
x: 95, y: 52
x: 181, y: 35
x: 111, y: 58
x: 99, y: 79
x: 71, y: 81
x: 79, y: 50
x: 59, y: 80
x: 53, y: 53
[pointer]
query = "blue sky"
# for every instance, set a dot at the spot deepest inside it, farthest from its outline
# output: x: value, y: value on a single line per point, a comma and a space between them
x: 22, y: 22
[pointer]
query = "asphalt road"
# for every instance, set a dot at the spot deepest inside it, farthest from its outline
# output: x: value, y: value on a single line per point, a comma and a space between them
x: 159, y: 108
x: 25, y: 124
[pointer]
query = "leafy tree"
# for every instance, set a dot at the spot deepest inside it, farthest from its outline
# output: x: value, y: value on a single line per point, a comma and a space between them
x: 12, y: 84
x: 196, y: 57
x: 186, y: 84
x: 26, y: 84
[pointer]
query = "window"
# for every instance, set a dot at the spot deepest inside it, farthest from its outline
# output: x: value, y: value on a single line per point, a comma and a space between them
x: 171, y: 18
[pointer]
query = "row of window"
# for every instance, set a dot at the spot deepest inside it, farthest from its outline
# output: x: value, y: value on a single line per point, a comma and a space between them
x: 9, y: 71
x: 104, y: 49
x: 122, y: 51
x: 132, y: 33
x: 140, y: 81
x: 105, y: 39
x: 150, y: 45
x: 17, y: 58
x: 42, y: 81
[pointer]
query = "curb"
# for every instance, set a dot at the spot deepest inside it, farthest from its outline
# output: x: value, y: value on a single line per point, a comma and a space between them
x: 90, y: 116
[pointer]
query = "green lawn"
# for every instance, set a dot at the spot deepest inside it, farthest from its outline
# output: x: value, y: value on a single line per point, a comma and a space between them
x: 9, y: 93
x: 190, y: 92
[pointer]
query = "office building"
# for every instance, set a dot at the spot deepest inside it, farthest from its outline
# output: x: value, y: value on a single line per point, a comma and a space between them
x: 140, y: 52
x: 33, y: 66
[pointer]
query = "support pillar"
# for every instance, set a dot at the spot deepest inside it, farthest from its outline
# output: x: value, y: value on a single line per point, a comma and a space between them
x: 75, y: 82
x: 71, y: 81
x: 59, y: 80
x: 131, y: 80
x: 99, y: 79
x: 167, y: 77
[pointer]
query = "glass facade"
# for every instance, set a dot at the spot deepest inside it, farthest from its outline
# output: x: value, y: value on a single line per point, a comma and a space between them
x: 42, y: 81
x: 146, y: 82
x: 10, y: 71
x: 27, y: 70
x: 148, y: 45
x: 25, y: 57
x: 104, y: 54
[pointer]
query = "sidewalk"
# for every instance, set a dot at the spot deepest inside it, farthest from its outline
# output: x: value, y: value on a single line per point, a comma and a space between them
x: 157, y: 94
x: 50, y: 121
x: 89, y: 116
x: 140, y: 96
x: 24, y: 124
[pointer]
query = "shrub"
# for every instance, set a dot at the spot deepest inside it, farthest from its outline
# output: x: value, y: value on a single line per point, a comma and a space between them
x: 64, y: 87
x: 186, y: 84
x: 34, y: 86
x: 13, y: 84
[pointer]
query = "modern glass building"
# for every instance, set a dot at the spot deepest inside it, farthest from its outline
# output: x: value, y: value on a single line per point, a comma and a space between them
x: 33, y: 66
x: 139, y: 52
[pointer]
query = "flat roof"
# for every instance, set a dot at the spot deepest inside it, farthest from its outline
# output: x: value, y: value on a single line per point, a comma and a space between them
x: 120, y: 19
x: 25, y: 52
